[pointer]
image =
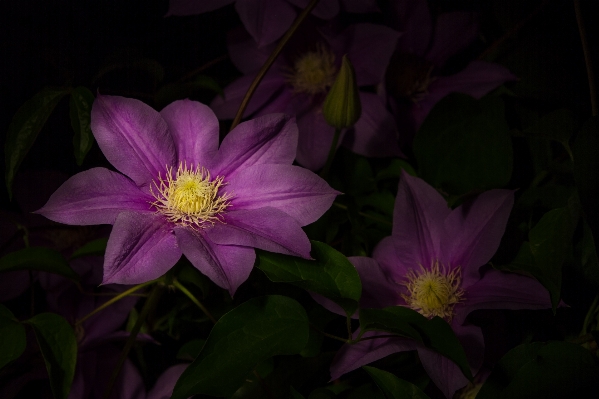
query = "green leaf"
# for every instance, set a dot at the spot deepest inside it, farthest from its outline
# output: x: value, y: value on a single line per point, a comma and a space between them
x: 393, y: 387
x: 93, y: 248
x: 369, y: 391
x: 37, y: 258
x: 330, y: 274
x: 24, y: 128
x: 464, y: 144
x: 58, y: 345
x: 393, y: 171
x: 550, y: 370
x: 557, y: 126
x: 191, y: 349
x: 13, y: 340
x: 80, y: 112
x: 434, y: 333
x: 252, y: 332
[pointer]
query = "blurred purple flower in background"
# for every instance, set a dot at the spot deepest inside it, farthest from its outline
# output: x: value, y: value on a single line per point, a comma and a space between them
x: 432, y: 263
x: 180, y: 193
x: 299, y: 81
x: 268, y: 20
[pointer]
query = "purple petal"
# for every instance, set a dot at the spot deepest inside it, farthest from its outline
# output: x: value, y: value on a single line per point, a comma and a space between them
x: 95, y: 196
x: 375, y: 133
x: 194, y: 7
x: 296, y: 191
x: 474, y: 231
x: 325, y: 9
x: 265, y: 228
x: 265, y: 20
x: 446, y: 375
x: 163, y: 388
x: 476, y: 80
x: 390, y: 261
x: 499, y: 290
x: 369, y: 48
x: 141, y: 247
x: 415, y: 24
x: 245, y: 53
x: 377, y: 290
x: 98, y: 328
x: 454, y: 32
x: 352, y: 356
x: 133, y: 137
x: 228, y: 266
x: 269, y: 139
x: 359, y: 6
x: 194, y: 128
x: 315, y: 139
x: 226, y: 107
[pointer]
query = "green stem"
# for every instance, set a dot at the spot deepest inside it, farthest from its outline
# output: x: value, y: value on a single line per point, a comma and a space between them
x: 113, y: 300
x: 589, y: 316
x: 325, y: 171
x: 199, y: 304
x: 271, y: 59
x: 587, y: 58
x: 328, y: 335
x: 149, y: 306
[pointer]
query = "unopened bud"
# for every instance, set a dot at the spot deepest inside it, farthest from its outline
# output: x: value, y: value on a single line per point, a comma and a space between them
x: 341, y: 108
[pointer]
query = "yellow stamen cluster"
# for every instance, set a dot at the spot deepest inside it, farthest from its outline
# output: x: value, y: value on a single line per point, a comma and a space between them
x: 190, y: 197
x: 313, y: 72
x: 435, y: 291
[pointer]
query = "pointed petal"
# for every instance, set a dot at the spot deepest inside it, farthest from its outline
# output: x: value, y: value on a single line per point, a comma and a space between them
x: 377, y: 290
x: 454, y: 32
x: 415, y: 24
x: 226, y: 265
x: 133, y: 137
x: 265, y: 20
x: 296, y: 191
x: 141, y: 248
x: 446, y: 375
x: 375, y: 134
x: 163, y: 388
x: 226, y: 107
x: 194, y: 128
x: 95, y: 196
x: 266, y: 228
x: 474, y: 231
x: 269, y: 139
x: 245, y: 53
x: 193, y: 7
x: 325, y: 9
x: 390, y: 261
x: 315, y: 139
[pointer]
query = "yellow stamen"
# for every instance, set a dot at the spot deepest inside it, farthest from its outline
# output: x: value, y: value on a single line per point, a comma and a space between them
x: 313, y: 72
x: 190, y: 197
x: 435, y: 291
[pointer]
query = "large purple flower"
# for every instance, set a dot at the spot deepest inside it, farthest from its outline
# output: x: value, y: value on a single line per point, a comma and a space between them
x: 416, y: 78
x: 299, y: 81
x: 182, y: 193
x: 432, y: 263
x: 268, y: 20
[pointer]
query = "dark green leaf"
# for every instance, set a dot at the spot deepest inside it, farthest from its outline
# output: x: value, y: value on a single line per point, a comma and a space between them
x: 322, y: 393
x: 369, y: 391
x: 293, y: 394
x: 191, y: 349
x: 37, y: 258
x: 434, y: 333
x: 464, y: 144
x: 393, y: 171
x: 58, y: 345
x: 589, y: 260
x: 13, y: 340
x: 393, y: 387
x: 24, y: 128
x: 330, y: 274
x: 252, y: 332
x: 557, y: 125
x: 552, y: 370
x: 80, y: 112
x: 92, y: 248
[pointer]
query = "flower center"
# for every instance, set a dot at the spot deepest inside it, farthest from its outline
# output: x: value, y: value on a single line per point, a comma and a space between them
x: 313, y: 72
x: 409, y: 76
x: 435, y: 291
x: 190, y: 197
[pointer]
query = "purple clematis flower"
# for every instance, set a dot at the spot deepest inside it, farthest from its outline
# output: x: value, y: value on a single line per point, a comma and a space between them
x: 268, y: 20
x: 432, y: 263
x: 180, y: 193
x: 299, y: 80
x: 416, y: 80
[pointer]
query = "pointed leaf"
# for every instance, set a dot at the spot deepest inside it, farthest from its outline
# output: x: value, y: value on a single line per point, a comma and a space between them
x: 252, y: 332
x: 13, y: 340
x: 37, y: 258
x: 58, y: 345
x: 95, y: 247
x: 330, y: 274
x: 393, y: 387
x: 80, y: 112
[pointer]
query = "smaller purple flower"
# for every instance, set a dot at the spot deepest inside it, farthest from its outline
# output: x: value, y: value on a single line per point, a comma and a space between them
x: 268, y: 20
x: 433, y: 263
x: 182, y: 193
x: 299, y: 80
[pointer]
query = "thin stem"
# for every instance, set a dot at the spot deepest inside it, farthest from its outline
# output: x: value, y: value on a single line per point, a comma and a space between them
x: 366, y: 215
x: 348, y: 325
x: 328, y: 335
x: 113, y: 300
x: 148, y: 307
x: 327, y: 167
x: 589, y: 315
x: 271, y: 59
x: 587, y: 58
x: 199, y: 304
x: 376, y: 337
